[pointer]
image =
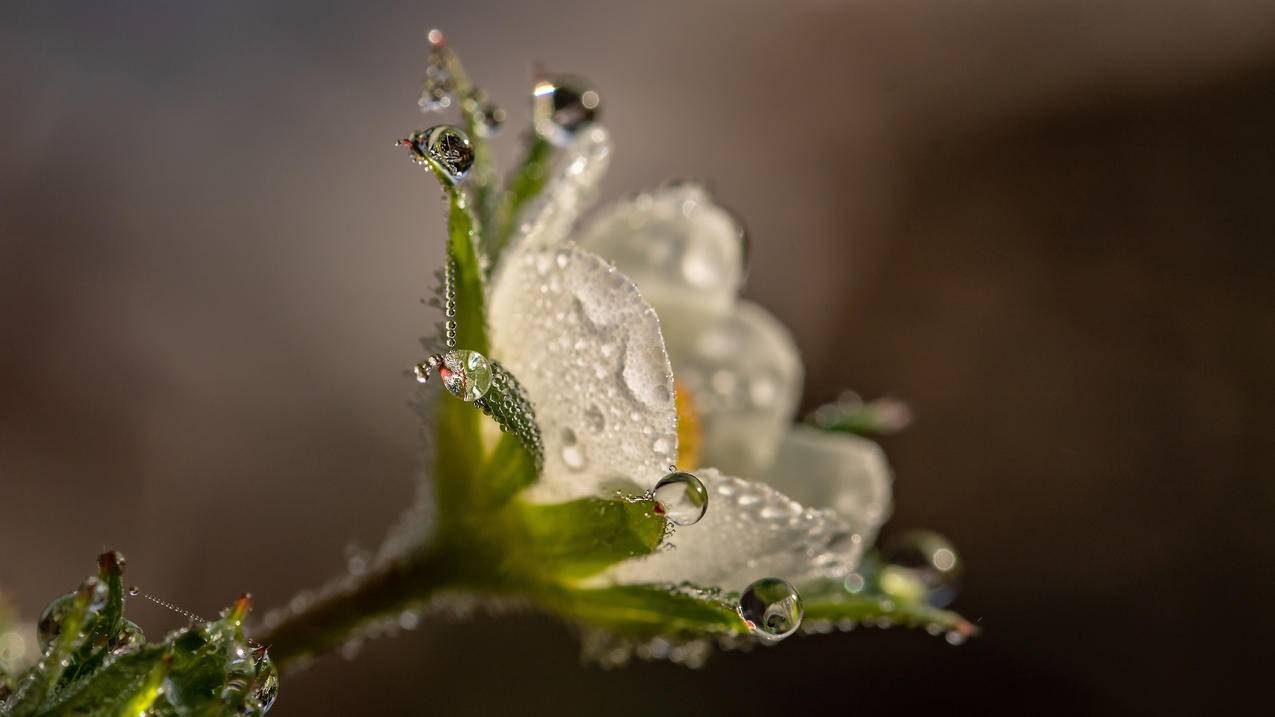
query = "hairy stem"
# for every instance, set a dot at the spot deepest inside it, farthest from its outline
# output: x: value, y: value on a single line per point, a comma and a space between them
x: 330, y: 622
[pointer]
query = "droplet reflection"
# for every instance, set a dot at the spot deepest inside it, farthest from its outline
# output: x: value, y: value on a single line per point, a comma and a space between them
x: 772, y: 608
x: 681, y: 497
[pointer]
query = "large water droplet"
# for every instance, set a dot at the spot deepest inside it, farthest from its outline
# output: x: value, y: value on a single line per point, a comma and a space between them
x: 466, y: 374
x: 128, y: 639
x: 681, y: 497
x: 562, y: 106
x: 50, y: 624
x: 446, y: 146
x: 922, y: 560
x: 772, y: 608
x: 266, y: 688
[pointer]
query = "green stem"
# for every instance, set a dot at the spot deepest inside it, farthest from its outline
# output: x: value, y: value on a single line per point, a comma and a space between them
x: 329, y: 623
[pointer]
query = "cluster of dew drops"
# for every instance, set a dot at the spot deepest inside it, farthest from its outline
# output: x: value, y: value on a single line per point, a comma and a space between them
x: 254, y: 660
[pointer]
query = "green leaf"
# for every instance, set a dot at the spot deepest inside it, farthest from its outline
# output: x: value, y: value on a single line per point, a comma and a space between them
x: 643, y: 611
x: 524, y: 185
x: 508, y: 470
x: 582, y: 537
x: 209, y: 669
x: 39, y: 681
x: 851, y: 414
x: 482, y: 178
x: 831, y: 602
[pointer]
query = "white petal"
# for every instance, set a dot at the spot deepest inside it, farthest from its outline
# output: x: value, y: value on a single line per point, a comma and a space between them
x: 750, y: 531
x: 846, y: 473
x: 744, y: 376
x: 589, y: 353
x: 679, y: 247
x: 571, y: 189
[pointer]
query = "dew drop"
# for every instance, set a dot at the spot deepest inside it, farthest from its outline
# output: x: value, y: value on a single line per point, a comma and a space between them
x: 436, y: 93
x: 50, y: 624
x: 772, y: 608
x: 133, y: 590
x: 465, y: 374
x: 444, y: 145
x: 593, y: 419
x: 661, y: 445
x: 925, y: 561
x: 572, y: 452
x: 562, y: 106
x: 266, y: 688
x: 681, y: 497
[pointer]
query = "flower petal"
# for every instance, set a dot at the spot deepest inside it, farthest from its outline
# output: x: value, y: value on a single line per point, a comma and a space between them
x: 590, y: 356
x: 750, y: 531
x: 744, y: 375
x: 679, y: 247
x: 568, y: 192
x: 844, y: 472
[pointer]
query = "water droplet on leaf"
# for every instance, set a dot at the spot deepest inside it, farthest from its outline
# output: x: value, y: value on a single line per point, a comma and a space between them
x: 267, y: 685
x: 925, y: 560
x: 50, y: 624
x: 465, y: 374
x: 562, y: 106
x: 446, y: 146
x: 772, y: 608
x: 682, y: 497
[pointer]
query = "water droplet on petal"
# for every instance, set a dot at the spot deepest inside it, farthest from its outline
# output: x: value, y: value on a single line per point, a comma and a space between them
x: 561, y: 106
x: 446, y: 146
x: 593, y: 419
x: 923, y: 559
x: 682, y: 497
x: 772, y: 608
x: 572, y: 451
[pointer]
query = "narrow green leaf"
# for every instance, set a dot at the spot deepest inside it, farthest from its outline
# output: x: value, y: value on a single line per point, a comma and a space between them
x: 833, y: 603
x: 482, y: 177
x: 524, y: 184
x: 642, y: 611
x: 462, y: 247
x: 509, y: 469
x: 581, y: 537
x: 851, y: 414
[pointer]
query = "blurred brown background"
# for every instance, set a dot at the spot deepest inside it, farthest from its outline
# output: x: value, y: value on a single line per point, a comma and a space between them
x: 1047, y: 225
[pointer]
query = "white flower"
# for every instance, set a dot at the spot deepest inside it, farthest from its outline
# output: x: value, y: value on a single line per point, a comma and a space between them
x: 590, y: 350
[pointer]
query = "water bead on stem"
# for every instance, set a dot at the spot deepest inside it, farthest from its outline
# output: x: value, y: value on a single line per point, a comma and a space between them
x: 772, y: 608
x: 681, y: 497
x: 436, y: 93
